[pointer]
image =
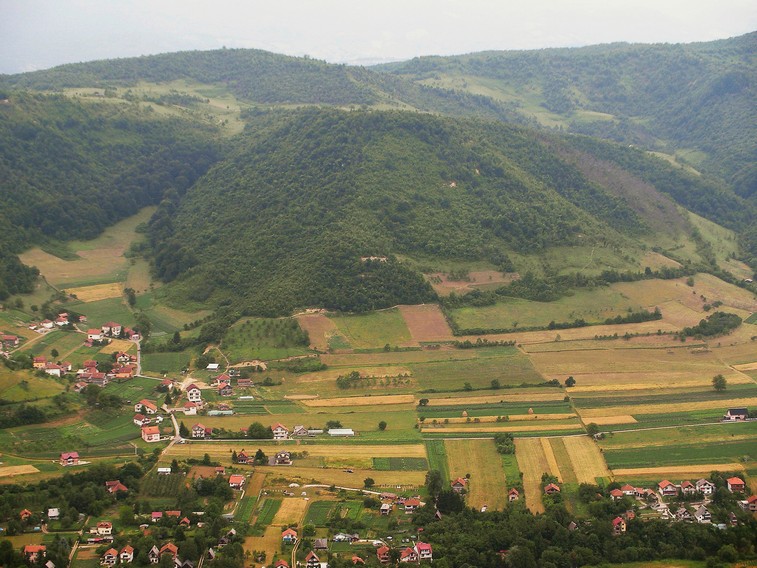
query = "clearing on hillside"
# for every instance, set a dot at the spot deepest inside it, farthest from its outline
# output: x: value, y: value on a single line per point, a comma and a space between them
x: 480, y: 459
x: 97, y: 292
x: 320, y: 329
x: 426, y: 323
x: 586, y: 459
x: 374, y: 329
x: 482, y: 279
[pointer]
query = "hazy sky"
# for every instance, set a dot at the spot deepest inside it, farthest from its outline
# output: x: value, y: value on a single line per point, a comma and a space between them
x: 36, y: 34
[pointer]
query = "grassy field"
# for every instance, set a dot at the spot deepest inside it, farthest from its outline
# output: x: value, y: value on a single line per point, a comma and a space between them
x: 19, y: 386
x: 256, y: 338
x: 437, y: 458
x: 694, y: 453
x: 112, y: 309
x: 267, y: 511
x: 159, y: 363
x: 373, y: 330
x: 480, y: 459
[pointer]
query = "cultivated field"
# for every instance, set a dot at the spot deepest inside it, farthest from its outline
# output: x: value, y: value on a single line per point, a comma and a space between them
x: 682, y: 471
x: 533, y: 463
x: 97, y: 292
x: 14, y: 470
x: 320, y: 328
x: 476, y: 279
x: 498, y: 427
x: 480, y: 459
x: 426, y: 323
x: 588, y: 414
x: 585, y: 459
x: 292, y: 511
x: 361, y: 401
x: 374, y: 329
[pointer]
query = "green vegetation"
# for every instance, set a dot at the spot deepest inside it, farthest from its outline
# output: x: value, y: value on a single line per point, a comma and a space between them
x: 682, y: 454
x: 400, y: 464
x: 267, y: 511
x: 264, y: 339
x: 437, y: 459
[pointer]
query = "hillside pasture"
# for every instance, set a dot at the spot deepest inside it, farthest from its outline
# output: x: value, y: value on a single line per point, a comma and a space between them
x: 426, y: 323
x: 14, y: 389
x: 101, y: 311
x: 374, y: 330
x: 480, y: 459
x: 680, y: 436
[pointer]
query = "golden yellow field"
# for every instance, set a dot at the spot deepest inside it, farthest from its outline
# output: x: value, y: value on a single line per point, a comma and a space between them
x: 549, y: 455
x: 617, y: 419
x: 588, y: 413
x: 532, y: 463
x: 292, y: 511
x: 361, y: 400
x: 679, y: 470
x: 461, y: 429
x: 586, y: 459
x: 221, y: 450
x: 746, y: 367
x: 479, y: 458
x: 117, y: 345
x: 270, y: 542
x: 512, y: 417
x: 354, y: 480
x: 97, y: 292
x: 13, y: 470
x: 495, y: 398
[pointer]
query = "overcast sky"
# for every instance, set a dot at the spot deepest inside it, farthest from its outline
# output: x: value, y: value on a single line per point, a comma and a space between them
x: 37, y: 34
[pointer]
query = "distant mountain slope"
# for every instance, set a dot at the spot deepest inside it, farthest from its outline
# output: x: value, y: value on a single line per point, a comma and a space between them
x: 697, y: 96
x: 284, y: 222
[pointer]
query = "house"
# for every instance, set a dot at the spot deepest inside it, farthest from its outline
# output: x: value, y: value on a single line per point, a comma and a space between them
x: 628, y: 489
x: 146, y: 406
x: 46, y: 324
x: 735, y: 414
x: 385, y: 508
x: 151, y: 433
x: 221, y: 379
x: 282, y: 458
x: 53, y: 514
x: 167, y: 384
x: 225, y: 390
x: 341, y: 432
x: 551, y: 489
x: 682, y: 514
x: 190, y: 408
x: 34, y: 551
x: 94, y: 335
x: 126, y: 555
x: 39, y: 362
x: 220, y: 470
x: 705, y: 486
x: 141, y: 420
x: 242, y: 457
x: 185, y: 522
x: 173, y: 514
x: 383, y: 554
x: 194, y: 394
x: 688, y: 488
x: 104, y: 528
x: 236, y: 481
x: 9, y: 341
x: 458, y: 486
x: 735, y: 484
x: 320, y: 544
x: 702, y: 515
x: 164, y: 471
x: 212, y: 367
x: 424, y: 551
x: 312, y: 560
x: 298, y: 431
x: 752, y: 504
x: 733, y: 520
x: 154, y: 555
x: 124, y: 372
x: 411, y: 505
x: 281, y: 564
x: 90, y: 365
x: 513, y: 495
x: 25, y: 514
x: 618, y: 525
x: 408, y: 555
x: 79, y: 386
x: 53, y: 369
x: 667, y: 489
x: 617, y: 494
x: 169, y: 548
x: 156, y: 516
x: 357, y: 560
x: 289, y: 536
x: 244, y: 383
x: 115, y: 486
x: 199, y: 431
x: 69, y: 458
x: 112, y: 328
x: 280, y: 432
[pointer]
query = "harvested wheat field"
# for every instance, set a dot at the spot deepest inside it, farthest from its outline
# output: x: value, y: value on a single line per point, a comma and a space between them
x: 319, y: 327
x: 610, y: 420
x: 588, y: 413
x: 292, y: 511
x: 586, y: 459
x: 480, y: 459
x: 682, y: 471
x: 426, y: 323
x: 549, y: 455
x: 461, y: 429
x: 117, y: 345
x: 496, y: 398
x: 386, y: 451
x: 97, y: 292
x: 511, y: 417
x: 746, y: 367
x: 533, y: 463
x: 223, y: 450
x: 354, y: 480
x: 13, y: 470
x: 270, y: 542
x: 361, y: 401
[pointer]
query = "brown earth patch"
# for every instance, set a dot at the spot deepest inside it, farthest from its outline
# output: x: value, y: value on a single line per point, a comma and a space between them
x: 320, y: 328
x: 426, y: 323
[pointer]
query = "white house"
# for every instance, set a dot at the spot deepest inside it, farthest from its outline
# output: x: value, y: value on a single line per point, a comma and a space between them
x: 194, y: 394
x: 280, y: 432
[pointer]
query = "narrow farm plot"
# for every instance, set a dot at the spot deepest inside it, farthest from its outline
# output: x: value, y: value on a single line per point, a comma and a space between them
x: 426, y: 323
x: 613, y: 420
x: 480, y: 459
x: 549, y: 455
x: 586, y: 459
x: 675, y: 470
x: 533, y: 463
x: 546, y: 426
x: 14, y: 470
x: 292, y: 511
x: 588, y: 413
x: 97, y: 292
x: 456, y: 400
x: 361, y: 401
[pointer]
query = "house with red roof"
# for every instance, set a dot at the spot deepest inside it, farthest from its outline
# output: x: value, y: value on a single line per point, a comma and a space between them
x: 105, y: 528
x: 9, y: 341
x: 281, y: 564
x: 280, y: 432
x: 383, y: 554
x: 200, y: 431
x: 628, y: 489
x: 39, y: 362
x: 151, y: 433
x: 146, y: 406
x: 169, y: 548
x: 751, y: 503
x: 513, y: 495
x: 618, y: 525
x: 115, y: 486
x: 69, y: 458
x: 156, y: 516
x: 411, y: 505
x: 735, y: 484
x: 424, y: 551
x: 109, y: 558
x: 408, y: 555
x: 25, y: 514
x: 617, y: 494
x: 94, y: 334
x: 236, y: 481
x: 190, y: 408
x: 53, y: 369
x: 667, y: 489
x: 551, y: 489
x: 141, y: 420
x: 289, y: 536
x: 34, y: 551
x: 126, y: 555
x: 242, y: 457
x: 312, y: 560
x: 458, y: 486
x: 194, y: 394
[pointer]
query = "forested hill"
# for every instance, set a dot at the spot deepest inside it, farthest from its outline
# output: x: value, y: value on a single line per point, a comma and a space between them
x: 696, y: 98
x: 261, y: 77
x: 69, y: 170
x: 284, y: 222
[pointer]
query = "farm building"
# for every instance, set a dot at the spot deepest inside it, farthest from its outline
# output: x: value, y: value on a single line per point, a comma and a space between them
x: 736, y: 414
x: 69, y: 458
x: 341, y: 432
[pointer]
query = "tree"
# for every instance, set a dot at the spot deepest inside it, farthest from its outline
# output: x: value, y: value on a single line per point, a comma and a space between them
x: 260, y: 458
x: 423, y: 402
x: 467, y: 386
x: 257, y: 431
x: 570, y: 381
x: 131, y: 296
x: 382, y: 425
x: 369, y: 482
x: 183, y: 430
x: 592, y: 429
x: 174, y: 466
x: 333, y: 424
x: 54, y: 353
x: 168, y: 400
x: 495, y: 384
x: 234, y: 456
x: 719, y: 383
x: 434, y: 483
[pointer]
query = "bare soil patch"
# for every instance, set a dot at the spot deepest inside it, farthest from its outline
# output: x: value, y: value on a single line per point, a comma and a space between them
x: 426, y: 323
x: 476, y: 279
x: 320, y: 328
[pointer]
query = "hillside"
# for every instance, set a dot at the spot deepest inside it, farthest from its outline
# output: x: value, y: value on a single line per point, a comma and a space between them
x: 696, y: 100
x: 284, y: 221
